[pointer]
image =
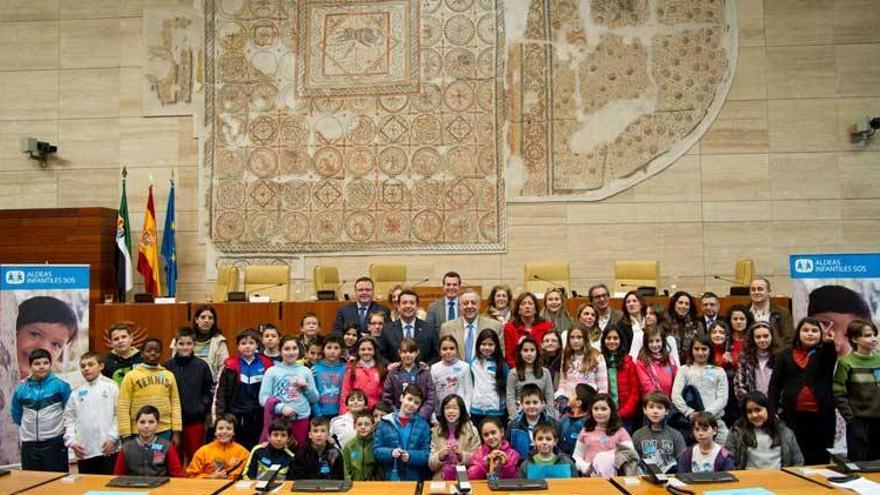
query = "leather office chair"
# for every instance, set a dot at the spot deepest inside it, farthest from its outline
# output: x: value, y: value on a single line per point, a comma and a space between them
x: 326, y: 278
x: 272, y: 281
x: 387, y: 275
x: 540, y: 276
x: 630, y: 275
x: 227, y: 281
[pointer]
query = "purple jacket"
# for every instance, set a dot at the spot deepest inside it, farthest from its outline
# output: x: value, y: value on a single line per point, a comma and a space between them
x: 396, y: 380
x: 723, y: 461
x: 479, y: 465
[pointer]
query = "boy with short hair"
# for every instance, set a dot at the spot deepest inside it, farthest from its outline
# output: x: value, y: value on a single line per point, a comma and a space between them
x: 856, y: 389
x: 275, y: 451
x: 403, y: 440
x: 329, y: 373
x: 544, y: 463
x: 150, y: 384
x: 122, y: 357
x: 309, y: 329
x: 38, y: 409
x: 380, y: 409
x: 314, y: 352
x: 90, y: 423
x: 520, y: 430
x: 147, y: 453
x: 571, y: 424
x: 705, y: 456
x: 223, y: 458
x: 357, y: 454
x: 318, y: 458
x: 193, y: 376
x: 238, y: 388
x: 656, y: 441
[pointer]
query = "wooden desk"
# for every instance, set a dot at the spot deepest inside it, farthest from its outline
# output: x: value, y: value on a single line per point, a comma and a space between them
x: 358, y: 488
x: 149, y: 320
x: 17, y: 480
x: 571, y: 486
x: 98, y: 482
x: 813, y: 473
x: 777, y: 481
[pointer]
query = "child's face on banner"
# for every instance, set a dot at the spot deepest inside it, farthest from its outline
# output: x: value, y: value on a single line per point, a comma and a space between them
x: 40, y: 335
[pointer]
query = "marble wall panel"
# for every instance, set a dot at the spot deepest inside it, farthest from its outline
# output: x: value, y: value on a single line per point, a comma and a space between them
x: 29, y: 45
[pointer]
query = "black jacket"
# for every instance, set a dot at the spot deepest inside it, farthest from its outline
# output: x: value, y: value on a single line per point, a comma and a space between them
x: 307, y: 463
x: 424, y: 335
x: 788, y: 379
x: 195, y: 385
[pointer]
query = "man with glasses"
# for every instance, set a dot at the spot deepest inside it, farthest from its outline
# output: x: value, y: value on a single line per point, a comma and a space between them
x: 600, y: 298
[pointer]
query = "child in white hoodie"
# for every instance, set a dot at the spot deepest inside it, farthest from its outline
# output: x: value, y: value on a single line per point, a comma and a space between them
x: 90, y: 418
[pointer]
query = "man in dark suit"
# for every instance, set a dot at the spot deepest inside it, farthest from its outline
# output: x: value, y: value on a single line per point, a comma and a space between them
x: 409, y: 326
x: 711, y: 303
x: 446, y: 308
x: 359, y: 312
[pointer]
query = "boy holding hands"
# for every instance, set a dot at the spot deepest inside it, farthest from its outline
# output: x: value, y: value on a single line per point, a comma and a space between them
x: 657, y: 442
x: 90, y: 418
x: 403, y: 440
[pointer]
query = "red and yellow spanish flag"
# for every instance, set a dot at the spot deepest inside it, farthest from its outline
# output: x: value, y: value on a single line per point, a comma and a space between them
x: 148, y: 251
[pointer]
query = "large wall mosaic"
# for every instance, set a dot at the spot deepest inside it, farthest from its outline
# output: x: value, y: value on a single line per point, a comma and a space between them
x: 605, y: 93
x: 372, y: 125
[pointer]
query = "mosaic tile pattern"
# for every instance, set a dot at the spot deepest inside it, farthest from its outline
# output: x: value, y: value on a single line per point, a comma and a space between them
x: 360, y: 126
x: 602, y: 102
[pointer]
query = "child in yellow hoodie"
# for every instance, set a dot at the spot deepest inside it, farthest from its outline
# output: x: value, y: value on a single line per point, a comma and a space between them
x: 222, y: 458
x: 149, y: 384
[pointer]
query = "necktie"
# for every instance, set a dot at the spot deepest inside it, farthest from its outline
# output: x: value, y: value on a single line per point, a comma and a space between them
x: 469, y: 343
x: 407, y: 331
x: 450, y: 315
x: 362, y: 316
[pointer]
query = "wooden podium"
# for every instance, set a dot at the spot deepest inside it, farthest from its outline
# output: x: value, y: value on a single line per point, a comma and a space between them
x: 64, y: 236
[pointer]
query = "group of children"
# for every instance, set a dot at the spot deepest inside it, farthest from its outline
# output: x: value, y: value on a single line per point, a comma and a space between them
x: 330, y: 407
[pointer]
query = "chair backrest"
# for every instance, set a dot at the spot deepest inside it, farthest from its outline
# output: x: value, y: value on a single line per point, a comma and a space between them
x: 745, y: 271
x: 385, y: 276
x: 326, y: 278
x: 268, y: 280
x: 227, y: 281
x: 630, y: 275
x: 540, y: 276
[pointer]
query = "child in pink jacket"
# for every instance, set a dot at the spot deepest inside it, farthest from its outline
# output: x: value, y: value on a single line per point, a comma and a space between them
x: 495, y: 458
x: 656, y: 366
x: 365, y: 372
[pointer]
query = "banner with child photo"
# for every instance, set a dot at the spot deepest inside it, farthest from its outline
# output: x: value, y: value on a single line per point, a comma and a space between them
x: 41, y: 307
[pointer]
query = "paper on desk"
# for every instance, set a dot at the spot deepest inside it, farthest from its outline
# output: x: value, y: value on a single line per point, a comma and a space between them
x: 864, y: 486
x: 740, y: 491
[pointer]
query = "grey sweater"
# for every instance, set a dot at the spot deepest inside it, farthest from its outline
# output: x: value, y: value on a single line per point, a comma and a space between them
x: 791, y: 452
x: 515, y: 385
x: 662, y: 447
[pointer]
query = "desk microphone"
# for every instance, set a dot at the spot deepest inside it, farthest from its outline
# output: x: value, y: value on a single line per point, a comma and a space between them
x: 729, y: 280
x: 420, y: 282
x: 336, y: 441
x: 550, y: 282
x: 252, y: 291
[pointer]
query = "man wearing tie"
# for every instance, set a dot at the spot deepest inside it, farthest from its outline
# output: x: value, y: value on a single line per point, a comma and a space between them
x: 359, y: 312
x: 446, y: 308
x: 407, y: 325
x: 466, y: 328
x: 710, y: 303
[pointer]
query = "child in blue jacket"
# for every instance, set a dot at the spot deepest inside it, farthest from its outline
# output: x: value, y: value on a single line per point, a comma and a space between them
x: 402, y: 441
x: 38, y: 409
x: 329, y: 373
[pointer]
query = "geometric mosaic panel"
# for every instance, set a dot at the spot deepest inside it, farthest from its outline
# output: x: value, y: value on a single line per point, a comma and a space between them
x: 350, y: 48
x: 370, y: 126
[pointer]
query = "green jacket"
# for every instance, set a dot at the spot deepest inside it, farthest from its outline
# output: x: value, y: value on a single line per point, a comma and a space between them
x: 856, y: 386
x: 357, y: 457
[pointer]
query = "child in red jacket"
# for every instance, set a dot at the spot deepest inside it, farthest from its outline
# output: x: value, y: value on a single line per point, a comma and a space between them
x: 623, y: 380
